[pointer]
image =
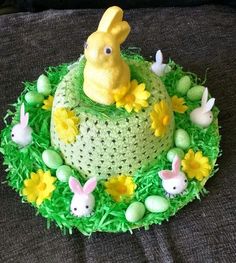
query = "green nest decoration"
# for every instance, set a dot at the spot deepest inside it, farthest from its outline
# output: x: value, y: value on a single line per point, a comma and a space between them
x: 108, y: 215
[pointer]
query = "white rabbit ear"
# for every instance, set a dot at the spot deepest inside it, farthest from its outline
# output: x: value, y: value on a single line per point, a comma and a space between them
x: 176, y: 164
x: 90, y: 185
x: 159, y: 57
x: 75, y: 186
x: 166, y: 174
x: 209, y: 105
x: 204, y: 97
x: 24, y: 118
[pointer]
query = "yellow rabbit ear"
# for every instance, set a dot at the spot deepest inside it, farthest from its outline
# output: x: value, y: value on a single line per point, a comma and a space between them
x: 121, y: 31
x: 110, y: 18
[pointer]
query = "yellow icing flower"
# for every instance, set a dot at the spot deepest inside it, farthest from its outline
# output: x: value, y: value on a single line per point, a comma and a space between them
x: 120, y: 187
x: 66, y: 124
x: 178, y: 104
x: 39, y: 187
x: 196, y: 165
x: 160, y: 118
x: 133, y: 97
x: 47, y: 104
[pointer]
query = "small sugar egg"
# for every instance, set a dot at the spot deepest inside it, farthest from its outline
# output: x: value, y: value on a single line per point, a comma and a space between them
x: 173, y: 152
x: 183, y: 85
x: 135, y: 212
x: 156, y: 204
x: 43, y: 85
x: 63, y: 173
x: 34, y: 98
x: 195, y: 93
x: 182, y: 139
x: 52, y: 159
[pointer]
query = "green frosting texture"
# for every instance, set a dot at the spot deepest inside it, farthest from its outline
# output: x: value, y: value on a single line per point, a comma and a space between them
x: 111, y: 143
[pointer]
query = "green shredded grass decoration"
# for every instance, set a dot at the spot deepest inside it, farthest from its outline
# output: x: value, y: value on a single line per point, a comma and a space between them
x: 108, y: 216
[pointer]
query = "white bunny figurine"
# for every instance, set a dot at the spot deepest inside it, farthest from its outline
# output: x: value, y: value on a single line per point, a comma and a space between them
x: 203, y: 116
x: 158, y: 67
x: 83, y: 201
x: 174, y: 182
x: 21, y: 132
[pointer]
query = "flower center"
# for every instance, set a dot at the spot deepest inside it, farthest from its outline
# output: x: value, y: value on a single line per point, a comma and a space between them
x: 64, y: 125
x: 41, y: 186
x: 122, y: 189
x: 129, y: 98
x: 194, y: 165
x: 166, y: 120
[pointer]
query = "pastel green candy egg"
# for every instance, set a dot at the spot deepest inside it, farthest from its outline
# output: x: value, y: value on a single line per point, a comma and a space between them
x: 52, y: 159
x: 182, y: 139
x: 43, y: 85
x: 156, y: 204
x: 173, y: 152
x: 183, y: 85
x: 135, y: 212
x: 195, y: 93
x: 63, y: 173
x: 34, y: 98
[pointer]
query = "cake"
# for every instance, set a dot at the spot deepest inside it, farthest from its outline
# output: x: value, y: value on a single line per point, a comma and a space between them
x: 111, y: 142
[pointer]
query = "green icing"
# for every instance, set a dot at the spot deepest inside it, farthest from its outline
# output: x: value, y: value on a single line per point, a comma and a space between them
x: 108, y: 215
x: 110, y: 143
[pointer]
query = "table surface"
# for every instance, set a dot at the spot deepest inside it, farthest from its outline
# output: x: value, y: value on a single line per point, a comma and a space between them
x: 197, y: 38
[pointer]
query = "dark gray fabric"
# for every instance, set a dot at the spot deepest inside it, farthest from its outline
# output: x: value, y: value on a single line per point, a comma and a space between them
x: 198, y: 38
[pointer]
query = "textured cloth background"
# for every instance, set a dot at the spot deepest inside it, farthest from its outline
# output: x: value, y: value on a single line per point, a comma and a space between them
x: 198, y: 38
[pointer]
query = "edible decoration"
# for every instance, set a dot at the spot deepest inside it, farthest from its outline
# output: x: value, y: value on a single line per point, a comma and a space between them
x: 174, y: 181
x: 182, y: 139
x: 22, y: 133
x: 34, y: 98
x: 99, y: 141
x: 47, y: 104
x: 178, y: 104
x: 52, y: 159
x: 43, y: 85
x: 135, y: 212
x: 158, y: 67
x: 160, y: 118
x: 63, y: 173
x: 105, y: 70
x: 195, y: 93
x: 120, y: 187
x: 173, y: 152
x: 133, y: 98
x: 183, y: 85
x: 83, y: 201
x: 156, y: 204
x: 39, y: 187
x: 196, y: 165
x: 203, y: 116
x: 66, y: 124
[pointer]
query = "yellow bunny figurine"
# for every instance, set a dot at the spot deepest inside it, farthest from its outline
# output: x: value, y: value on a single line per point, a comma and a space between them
x: 105, y: 71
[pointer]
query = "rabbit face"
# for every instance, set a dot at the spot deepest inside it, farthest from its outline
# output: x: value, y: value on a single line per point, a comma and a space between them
x: 82, y: 205
x: 21, y: 136
x: 175, y: 185
x: 101, y: 49
x: 201, y: 118
x: 83, y: 201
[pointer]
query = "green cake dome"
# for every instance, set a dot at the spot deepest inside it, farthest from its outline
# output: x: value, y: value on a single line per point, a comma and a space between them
x: 111, y: 141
